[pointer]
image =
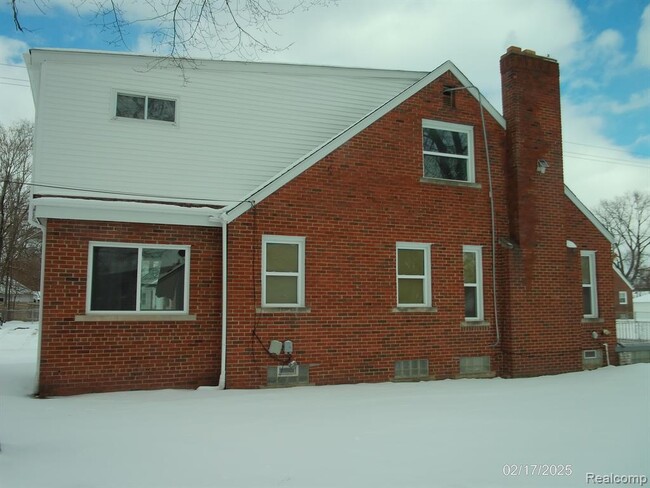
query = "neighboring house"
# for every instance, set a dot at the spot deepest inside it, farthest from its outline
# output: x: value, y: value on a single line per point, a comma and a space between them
x: 18, y: 293
x: 642, y: 308
x: 623, y: 290
x: 251, y: 224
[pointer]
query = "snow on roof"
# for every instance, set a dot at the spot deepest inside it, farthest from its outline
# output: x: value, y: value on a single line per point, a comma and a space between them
x: 642, y: 299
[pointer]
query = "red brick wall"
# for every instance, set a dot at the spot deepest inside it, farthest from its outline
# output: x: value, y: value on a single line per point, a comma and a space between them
x: 352, y: 207
x: 86, y: 356
x: 622, y: 311
x: 588, y: 238
x: 544, y: 302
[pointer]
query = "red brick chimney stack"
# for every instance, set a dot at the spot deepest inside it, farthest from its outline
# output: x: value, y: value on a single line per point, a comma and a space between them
x: 537, y: 267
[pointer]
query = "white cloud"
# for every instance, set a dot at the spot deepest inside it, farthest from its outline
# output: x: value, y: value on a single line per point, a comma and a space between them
x: 636, y: 101
x: 421, y: 35
x: 15, y: 94
x: 643, y: 40
x: 595, y: 168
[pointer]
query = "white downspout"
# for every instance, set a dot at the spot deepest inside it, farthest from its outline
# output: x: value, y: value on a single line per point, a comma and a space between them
x: 33, y: 221
x: 607, y: 352
x: 224, y: 297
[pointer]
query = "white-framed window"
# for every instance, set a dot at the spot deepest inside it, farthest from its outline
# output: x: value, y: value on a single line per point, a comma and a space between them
x: 145, y: 107
x: 413, y: 269
x: 134, y: 278
x: 283, y: 271
x: 448, y: 151
x: 473, y: 282
x: 589, y: 291
x: 622, y: 298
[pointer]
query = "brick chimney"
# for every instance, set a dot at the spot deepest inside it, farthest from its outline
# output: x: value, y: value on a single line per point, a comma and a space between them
x: 538, y: 313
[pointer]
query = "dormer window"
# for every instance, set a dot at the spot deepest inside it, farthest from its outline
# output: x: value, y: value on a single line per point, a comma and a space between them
x: 145, y: 107
x: 448, y: 151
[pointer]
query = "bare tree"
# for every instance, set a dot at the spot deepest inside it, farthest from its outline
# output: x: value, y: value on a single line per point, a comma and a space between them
x: 183, y: 27
x: 19, y: 241
x: 628, y: 219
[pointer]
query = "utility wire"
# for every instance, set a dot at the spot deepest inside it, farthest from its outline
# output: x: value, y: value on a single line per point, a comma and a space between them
x: 120, y: 193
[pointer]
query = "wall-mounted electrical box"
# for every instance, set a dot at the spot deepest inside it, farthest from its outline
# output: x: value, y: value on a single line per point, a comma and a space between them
x: 275, y: 347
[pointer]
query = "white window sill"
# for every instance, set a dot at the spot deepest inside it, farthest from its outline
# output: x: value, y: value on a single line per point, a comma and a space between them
x: 134, y: 317
x: 415, y: 309
x: 592, y: 320
x: 475, y: 323
x: 440, y: 181
x: 283, y: 310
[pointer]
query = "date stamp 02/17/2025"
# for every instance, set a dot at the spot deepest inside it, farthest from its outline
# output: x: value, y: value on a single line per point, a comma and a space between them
x: 565, y: 470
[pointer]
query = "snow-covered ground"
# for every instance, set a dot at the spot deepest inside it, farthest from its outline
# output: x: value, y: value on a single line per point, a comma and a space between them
x: 434, y: 434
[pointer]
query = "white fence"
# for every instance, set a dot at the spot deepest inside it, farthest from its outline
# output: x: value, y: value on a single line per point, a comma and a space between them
x: 633, y: 330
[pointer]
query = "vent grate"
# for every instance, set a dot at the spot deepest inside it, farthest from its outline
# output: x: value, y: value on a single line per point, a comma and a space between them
x: 287, y: 375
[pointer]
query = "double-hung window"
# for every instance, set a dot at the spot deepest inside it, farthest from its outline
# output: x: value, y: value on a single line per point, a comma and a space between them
x: 413, y: 266
x: 622, y: 298
x: 283, y: 271
x: 145, y: 107
x: 448, y: 151
x: 473, y: 282
x: 138, y: 278
x: 589, y: 291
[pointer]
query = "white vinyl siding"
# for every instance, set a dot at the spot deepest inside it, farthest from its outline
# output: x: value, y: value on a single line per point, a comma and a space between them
x: 241, y: 124
x: 413, y: 270
x: 589, y: 288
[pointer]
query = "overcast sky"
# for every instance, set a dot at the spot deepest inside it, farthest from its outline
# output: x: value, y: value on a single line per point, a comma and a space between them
x: 603, y: 47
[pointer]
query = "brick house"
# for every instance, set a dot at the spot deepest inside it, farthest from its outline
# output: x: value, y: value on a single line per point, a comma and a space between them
x: 623, y: 291
x: 249, y: 225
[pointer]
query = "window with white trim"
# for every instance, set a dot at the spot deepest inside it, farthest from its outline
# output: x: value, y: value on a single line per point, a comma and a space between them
x: 622, y: 298
x: 589, y: 291
x: 448, y: 151
x: 283, y: 271
x: 144, y: 107
x: 413, y: 268
x: 473, y: 282
x: 138, y: 278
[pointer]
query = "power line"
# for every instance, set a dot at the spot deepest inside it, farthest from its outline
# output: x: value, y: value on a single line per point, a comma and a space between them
x: 120, y: 193
x: 589, y: 157
x: 599, y: 147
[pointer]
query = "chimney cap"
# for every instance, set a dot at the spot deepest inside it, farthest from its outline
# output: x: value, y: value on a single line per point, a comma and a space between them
x: 527, y: 52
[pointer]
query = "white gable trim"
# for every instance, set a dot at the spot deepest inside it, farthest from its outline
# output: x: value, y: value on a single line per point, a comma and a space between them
x: 622, y: 276
x: 120, y: 211
x: 592, y: 218
x: 307, y: 161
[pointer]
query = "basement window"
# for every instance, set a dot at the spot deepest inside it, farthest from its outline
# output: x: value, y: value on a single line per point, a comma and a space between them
x: 448, y: 151
x: 412, y: 369
x: 474, y: 365
x: 138, y: 278
x: 144, y: 107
